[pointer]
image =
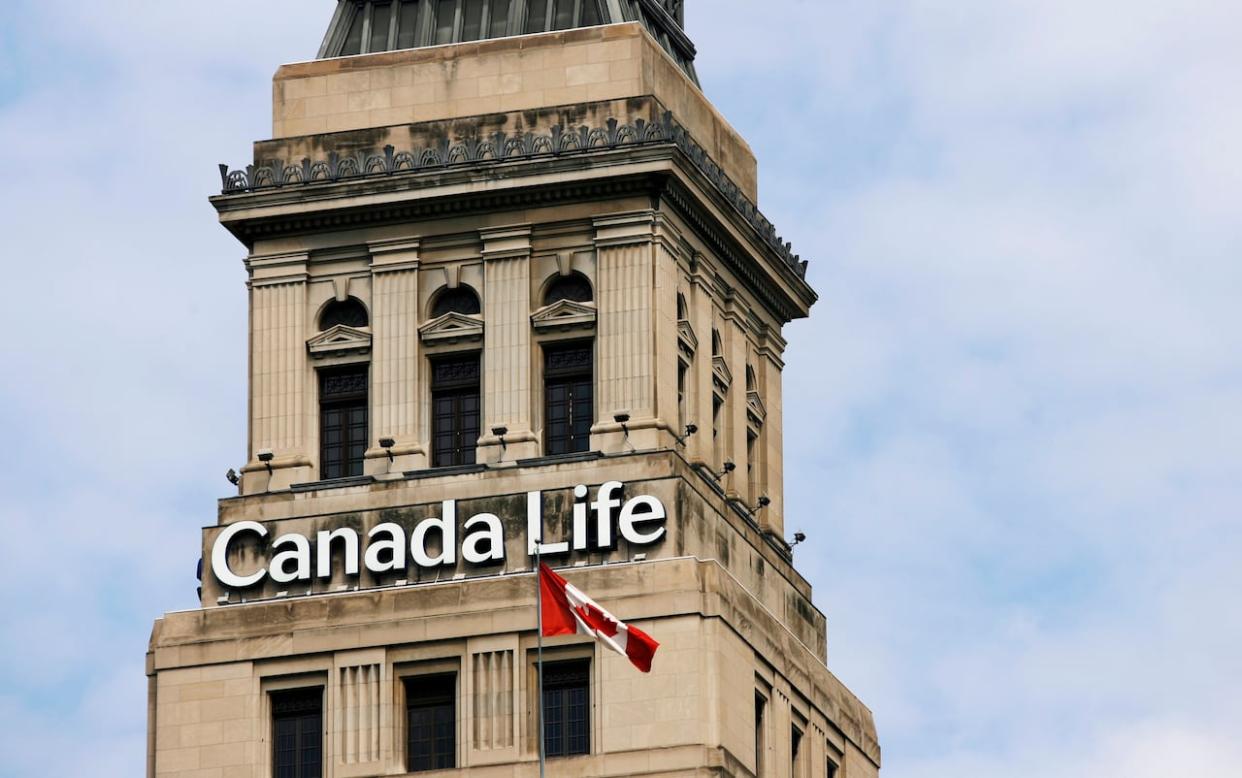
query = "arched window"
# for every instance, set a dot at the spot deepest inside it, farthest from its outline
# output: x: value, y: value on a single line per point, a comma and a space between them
x: 574, y: 287
x: 460, y: 300
x: 349, y: 312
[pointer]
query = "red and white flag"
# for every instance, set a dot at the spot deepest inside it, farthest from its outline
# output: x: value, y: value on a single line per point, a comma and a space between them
x: 567, y: 611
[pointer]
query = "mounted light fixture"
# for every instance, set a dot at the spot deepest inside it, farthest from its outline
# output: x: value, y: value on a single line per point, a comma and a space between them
x: 500, y: 433
x: 233, y: 477
x: 266, y: 456
x: 799, y: 537
x: 387, y: 444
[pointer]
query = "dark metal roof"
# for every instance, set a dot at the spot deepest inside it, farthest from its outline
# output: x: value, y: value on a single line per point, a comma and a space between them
x: 368, y: 26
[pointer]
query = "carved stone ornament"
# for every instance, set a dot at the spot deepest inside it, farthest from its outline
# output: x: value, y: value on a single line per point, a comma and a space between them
x: 755, y: 408
x: 721, y: 375
x: 687, y: 341
x: 339, y: 341
x: 452, y: 329
x: 564, y: 316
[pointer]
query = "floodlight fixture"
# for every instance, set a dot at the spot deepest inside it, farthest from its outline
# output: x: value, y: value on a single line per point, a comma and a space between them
x: 233, y: 477
x: 387, y: 444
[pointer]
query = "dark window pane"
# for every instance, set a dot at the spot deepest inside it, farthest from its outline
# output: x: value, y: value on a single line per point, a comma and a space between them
x: 563, y: 19
x: 297, y: 733
x: 574, y: 287
x: 380, y: 17
x: 536, y: 16
x: 353, y: 38
x: 343, y: 421
x: 455, y: 409
x: 407, y: 25
x: 472, y: 20
x: 460, y: 300
x: 566, y: 708
x: 445, y: 10
x: 431, y: 716
x: 500, y: 18
x: 590, y: 13
x: 569, y: 407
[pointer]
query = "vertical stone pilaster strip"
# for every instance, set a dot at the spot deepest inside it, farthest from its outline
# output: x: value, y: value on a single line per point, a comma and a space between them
x: 279, y: 370
x: 396, y: 357
x: 625, y: 362
x: 507, y: 347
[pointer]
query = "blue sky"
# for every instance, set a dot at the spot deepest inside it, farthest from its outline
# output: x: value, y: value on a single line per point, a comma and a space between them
x: 1019, y: 401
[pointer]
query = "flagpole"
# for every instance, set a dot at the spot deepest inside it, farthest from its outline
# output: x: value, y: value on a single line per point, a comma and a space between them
x: 539, y: 650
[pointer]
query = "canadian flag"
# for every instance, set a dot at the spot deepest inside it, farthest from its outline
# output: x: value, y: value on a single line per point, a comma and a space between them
x: 567, y: 611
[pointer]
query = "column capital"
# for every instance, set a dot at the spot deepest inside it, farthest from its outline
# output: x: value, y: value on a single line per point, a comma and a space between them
x: 286, y: 267
x: 511, y: 242
x: 388, y: 256
x: 625, y: 229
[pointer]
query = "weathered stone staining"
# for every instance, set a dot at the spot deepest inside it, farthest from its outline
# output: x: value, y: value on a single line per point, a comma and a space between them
x: 433, y: 542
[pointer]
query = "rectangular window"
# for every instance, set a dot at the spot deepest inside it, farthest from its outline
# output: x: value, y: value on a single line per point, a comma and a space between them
x: 297, y: 733
x: 795, y: 753
x: 566, y: 708
x: 752, y: 466
x: 455, y: 410
x: 472, y: 20
x: 342, y: 421
x: 381, y: 15
x: 834, y: 769
x: 536, y: 16
x: 760, y: 707
x: 500, y: 18
x: 446, y: 18
x: 407, y: 25
x: 682, y: 415
x: 569, y: 397
x: 563, y: 16
x: 717, y: 406
x: 431, y: 722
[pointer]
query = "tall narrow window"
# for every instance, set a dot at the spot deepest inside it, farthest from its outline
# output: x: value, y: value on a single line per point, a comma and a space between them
x: 353, y: 37
x: 446, y: 17
x: 717, y: 406
x: 342, y: 421
x: 752, y: 466
x: 563, y: 18
x: 297, y: 733
x: 569, y: 407
x: 381, y: 15
x: 590, y: 13
x: 536, y: 16
x: 682, y: 416
x: 431, y: 721
x: 795, y: 753
x: 472, y: 20
x: 455, y: 410
x: 566, y: 708
x: 760, y: 708
x: 407, y: 25
x: 834, y: 769
x: 500, y: 18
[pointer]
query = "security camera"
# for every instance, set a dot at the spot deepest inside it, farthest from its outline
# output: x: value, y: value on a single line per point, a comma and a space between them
x: 765, y: 501
x: 730, y: 466
x: 691, y: 429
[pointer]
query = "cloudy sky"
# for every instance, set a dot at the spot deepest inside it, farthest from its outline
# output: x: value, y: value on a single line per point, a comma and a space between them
x: 1019, y: 402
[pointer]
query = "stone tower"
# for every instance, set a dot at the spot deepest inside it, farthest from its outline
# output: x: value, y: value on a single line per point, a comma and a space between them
x: 508, y: 285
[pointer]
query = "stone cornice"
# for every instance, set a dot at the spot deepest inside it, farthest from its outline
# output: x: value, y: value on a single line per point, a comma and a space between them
x: 502, y: 147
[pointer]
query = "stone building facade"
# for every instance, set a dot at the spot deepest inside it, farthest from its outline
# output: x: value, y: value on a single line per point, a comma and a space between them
x: 497, y: 279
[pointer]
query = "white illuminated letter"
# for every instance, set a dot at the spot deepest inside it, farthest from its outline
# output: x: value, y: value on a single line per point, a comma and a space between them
x: 581, y: 537
x: 652, y: 510
x: 534, y: 527
x: 603, y: 505
x: 324, y: 542
x: 394, y: 544
x: 300, y: 553
x: 447, y: 524
x: 492, y: 533
x: 220, y: 556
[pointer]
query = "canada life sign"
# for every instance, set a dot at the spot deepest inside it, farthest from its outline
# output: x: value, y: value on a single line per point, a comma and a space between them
x: 639, y: 521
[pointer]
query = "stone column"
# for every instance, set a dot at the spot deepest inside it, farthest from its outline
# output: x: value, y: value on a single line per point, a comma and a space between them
x: 771, y: 349
x: 699, y: 446
x: 281, y: 391
x: 734, y: 334
x: 625, y: 364
x: 507, y: 346
x: 664, y: 336
x: 396, y: 359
